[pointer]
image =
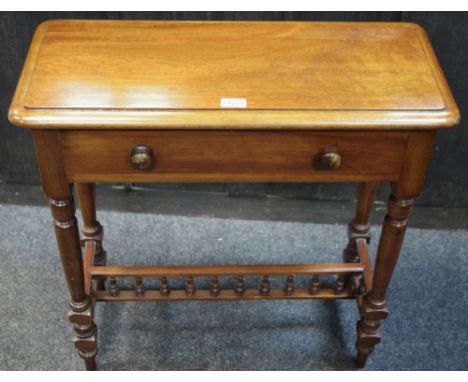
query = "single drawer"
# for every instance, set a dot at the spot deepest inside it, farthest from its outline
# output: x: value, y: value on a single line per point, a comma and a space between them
x: 228, y: 155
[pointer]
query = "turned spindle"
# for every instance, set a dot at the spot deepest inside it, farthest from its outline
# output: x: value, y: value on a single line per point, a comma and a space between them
x: 239, y: 290
x: 265, y: 286
x: 139, y: 289
x: 215, y: 289
x: 289, y: 286
x: 314, y: 285
x: 164, y: 288
x: 361, y: 290
x: 339, y: 284
x: 190, y: 288
x: 358, y: 285
x: 114, y: 287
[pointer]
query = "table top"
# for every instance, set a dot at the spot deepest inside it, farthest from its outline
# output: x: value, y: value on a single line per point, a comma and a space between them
x: 185, y: 74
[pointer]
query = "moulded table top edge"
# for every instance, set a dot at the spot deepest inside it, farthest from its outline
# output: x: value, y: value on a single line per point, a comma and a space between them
x: 24, y: 116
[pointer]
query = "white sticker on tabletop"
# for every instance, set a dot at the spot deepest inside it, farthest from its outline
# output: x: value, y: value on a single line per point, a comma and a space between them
x: 233, y: 103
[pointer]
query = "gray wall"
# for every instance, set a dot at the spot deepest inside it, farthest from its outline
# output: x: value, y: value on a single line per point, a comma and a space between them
x: 447, y: 183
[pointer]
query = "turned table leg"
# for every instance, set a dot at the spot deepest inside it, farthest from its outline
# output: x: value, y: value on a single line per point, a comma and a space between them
x: 409, y: 186
x: 359, y: 227
x: 375, y: 305
x: 91, y: 228
x: 59, y: 192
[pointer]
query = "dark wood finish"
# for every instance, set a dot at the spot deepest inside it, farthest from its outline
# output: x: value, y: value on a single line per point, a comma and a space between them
x: 215, y: 288
x: 141, y: 157
x: 314, y: 285
x: 289, y: 286
x: 88, y: 262
x: 226, y: 270
x: 363, y: 255
x: 404, y: 191
x: 225, y: 294
x: 87, y: 201
x: 446, y: 188
x: 91, y: 228
x: 330, y: 159
x: 139, y: 289
x: 339, y: 285
x: 114, y: 288
x: 265, y: 286
x: 359, y: 227
x: 85, y: 339
x: 240, y: 288
x: 191, y: 272
x: 214, y: 156
x: 365, y: 200
x: 354, y: 102
x: 59, y: 192
x: 164, y: 289
x: 190, y: 288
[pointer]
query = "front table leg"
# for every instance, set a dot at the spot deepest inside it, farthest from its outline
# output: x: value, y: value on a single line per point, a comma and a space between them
x: 59, y: 192
x: 375, y: 303
x: 81, y: 305
x: 409, y: 186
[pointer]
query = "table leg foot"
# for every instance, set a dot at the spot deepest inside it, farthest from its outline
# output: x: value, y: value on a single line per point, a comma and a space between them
x: 90, y: 361
x: 368, y: 335
x: 81, y: 316
x: 361, y: 357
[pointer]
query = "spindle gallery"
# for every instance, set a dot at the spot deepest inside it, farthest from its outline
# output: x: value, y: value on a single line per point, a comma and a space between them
x: 162, y: 102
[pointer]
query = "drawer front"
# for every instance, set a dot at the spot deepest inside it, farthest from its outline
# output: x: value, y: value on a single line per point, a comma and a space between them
x: 238, y: 156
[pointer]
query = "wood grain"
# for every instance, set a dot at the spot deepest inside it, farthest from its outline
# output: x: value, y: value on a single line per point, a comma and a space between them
x: 404, y: 191
x: 226, y: 294
x: 216, y: 156
x: 174, y: 74
x: 153, y: 78
x: 225, y: 270
x: 59, y: 191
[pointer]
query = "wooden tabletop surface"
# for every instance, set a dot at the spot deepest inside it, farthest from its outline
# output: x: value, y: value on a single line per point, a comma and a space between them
x: 232, y: 75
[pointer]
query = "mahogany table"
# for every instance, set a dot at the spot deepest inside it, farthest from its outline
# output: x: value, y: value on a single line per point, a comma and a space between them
x: 136, y: 101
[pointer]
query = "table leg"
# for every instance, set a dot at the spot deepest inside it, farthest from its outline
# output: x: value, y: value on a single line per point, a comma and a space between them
x: 59, y: 191
x: 375, y: 309
x: 409, y: 186
x: 359, y: 227
x: 91, y: 228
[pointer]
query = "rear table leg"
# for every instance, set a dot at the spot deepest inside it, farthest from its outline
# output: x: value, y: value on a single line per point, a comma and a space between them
x: 359, y: 227
x: 91, y: 228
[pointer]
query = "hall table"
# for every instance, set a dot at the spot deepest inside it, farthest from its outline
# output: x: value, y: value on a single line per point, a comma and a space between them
x: 149, y: 102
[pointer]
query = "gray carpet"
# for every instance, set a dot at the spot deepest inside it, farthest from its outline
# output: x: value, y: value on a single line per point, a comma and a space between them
x: 428, y: 300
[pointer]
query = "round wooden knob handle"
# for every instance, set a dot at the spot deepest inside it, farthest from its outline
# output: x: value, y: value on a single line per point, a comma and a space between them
x: 330, y: 159
x: 141, y: 157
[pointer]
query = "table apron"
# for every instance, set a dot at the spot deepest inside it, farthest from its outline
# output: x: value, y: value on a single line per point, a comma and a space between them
x: 233, y: 156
